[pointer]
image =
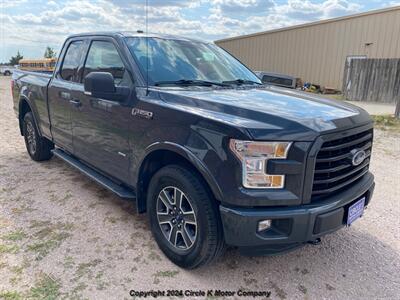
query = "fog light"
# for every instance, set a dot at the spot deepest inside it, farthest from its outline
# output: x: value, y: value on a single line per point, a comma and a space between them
x: 264, y: 225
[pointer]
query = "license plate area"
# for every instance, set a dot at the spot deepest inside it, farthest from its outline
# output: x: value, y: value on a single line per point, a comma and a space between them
x: 355, y: 211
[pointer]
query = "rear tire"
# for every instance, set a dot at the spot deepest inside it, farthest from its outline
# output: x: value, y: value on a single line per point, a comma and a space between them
x: 39, y: 148
x: 184, y: 218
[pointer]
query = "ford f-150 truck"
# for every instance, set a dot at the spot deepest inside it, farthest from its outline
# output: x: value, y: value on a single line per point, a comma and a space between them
x: 213, y: 156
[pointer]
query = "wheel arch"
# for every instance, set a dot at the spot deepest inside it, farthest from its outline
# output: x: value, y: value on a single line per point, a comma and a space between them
x: 24, y: 107
x: 159, y: 155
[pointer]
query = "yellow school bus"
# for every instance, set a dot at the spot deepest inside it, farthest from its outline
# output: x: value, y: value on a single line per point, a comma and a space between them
x: 43, y: 64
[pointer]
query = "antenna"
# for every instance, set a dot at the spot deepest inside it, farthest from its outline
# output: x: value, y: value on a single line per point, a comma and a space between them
x: 147, y: 48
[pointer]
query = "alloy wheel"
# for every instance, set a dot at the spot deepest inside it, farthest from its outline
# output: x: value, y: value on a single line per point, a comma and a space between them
x: 176, y: 218
x: 31, y: 137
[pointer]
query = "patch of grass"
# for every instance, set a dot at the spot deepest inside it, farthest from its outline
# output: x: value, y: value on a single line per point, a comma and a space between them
x: 14, y: 280
x: 37, y: 224
x: 63, y: 200
x: 112, y: 220
x: 68, y: 262
x: 10, y: 295
x: 8, y: 248
x: 85, y: 268
x: 14, y: 236
x: 100, y: 283
x: 154, y: 256
x: 159, y: 274
x: 50, y: 236
x: 22, y: 209
x: 166, y: 273
x: 99, y: 275
x: 76, y: 292
x: 279, y: 291
x: 3, y: 265
x: 17, y: 270
x: 44, y: 248
x: 387, y: 122
x: 46, y: 288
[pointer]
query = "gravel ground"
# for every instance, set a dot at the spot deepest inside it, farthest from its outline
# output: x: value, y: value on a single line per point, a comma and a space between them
x: 376, y: 108
x: 63, y: 236
x: 373, y: 108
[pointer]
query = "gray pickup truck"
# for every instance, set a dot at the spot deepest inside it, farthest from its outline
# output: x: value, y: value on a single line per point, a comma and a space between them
x: 211, y: 154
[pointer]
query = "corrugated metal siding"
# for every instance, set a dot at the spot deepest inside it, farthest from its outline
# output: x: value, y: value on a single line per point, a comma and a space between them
x: 317, y: 52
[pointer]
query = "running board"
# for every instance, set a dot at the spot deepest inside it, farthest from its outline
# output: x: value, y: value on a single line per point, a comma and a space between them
x: 94, y: 175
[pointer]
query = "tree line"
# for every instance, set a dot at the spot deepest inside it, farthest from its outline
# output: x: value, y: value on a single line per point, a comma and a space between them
x: 48, y: 53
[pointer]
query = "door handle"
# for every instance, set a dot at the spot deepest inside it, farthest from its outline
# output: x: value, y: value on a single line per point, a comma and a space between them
x: 75, y: 102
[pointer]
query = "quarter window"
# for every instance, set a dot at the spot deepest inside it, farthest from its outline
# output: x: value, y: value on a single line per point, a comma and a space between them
x: 71, y: 61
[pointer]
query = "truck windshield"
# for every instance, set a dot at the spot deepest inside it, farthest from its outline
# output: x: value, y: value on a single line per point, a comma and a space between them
x: 183, y: 62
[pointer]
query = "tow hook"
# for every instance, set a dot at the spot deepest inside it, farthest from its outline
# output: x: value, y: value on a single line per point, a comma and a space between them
x: 315, y: 242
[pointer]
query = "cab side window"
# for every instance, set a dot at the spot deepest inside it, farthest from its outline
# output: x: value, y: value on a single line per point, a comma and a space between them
x: 71, y: 61
x: 104, y: 57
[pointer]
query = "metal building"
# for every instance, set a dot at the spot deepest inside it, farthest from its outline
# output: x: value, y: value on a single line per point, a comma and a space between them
x: 317, y: 52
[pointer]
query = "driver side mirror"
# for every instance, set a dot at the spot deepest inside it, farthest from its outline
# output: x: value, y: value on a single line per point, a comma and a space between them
x: 101, y: 85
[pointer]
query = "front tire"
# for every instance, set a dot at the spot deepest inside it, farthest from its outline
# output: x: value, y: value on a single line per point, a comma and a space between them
x: 184, y: 217
x: 39, y: 148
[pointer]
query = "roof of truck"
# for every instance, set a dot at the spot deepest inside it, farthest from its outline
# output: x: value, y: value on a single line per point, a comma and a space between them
x: 136, y: 34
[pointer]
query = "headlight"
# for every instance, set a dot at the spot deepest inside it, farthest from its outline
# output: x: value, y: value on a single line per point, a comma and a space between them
x: 254, y: 156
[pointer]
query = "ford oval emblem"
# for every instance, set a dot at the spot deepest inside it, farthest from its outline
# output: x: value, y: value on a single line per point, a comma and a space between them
x: 358, y: 156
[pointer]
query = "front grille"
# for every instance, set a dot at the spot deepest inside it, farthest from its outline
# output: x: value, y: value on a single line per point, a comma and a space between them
x: 334, y: 170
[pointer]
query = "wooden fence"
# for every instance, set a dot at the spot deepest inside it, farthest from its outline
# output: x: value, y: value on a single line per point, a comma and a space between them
x: 372, y: 79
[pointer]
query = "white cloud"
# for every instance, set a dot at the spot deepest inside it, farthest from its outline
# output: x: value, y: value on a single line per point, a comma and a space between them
x: 239, y: 8
x: 308, y: 11
x: 210, y: 20
x: 12, y: 3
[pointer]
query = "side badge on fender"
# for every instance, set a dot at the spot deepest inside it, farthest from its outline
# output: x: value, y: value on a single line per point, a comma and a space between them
x: 142, y: 113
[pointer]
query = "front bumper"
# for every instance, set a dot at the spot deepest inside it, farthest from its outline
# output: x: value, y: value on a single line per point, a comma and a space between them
x: 292, y: 226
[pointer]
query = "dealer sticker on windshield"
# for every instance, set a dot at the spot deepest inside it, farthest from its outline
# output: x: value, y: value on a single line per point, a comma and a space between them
x: 355, y: 211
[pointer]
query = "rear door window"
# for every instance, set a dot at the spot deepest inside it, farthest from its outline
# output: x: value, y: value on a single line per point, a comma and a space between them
x: 72, y: 59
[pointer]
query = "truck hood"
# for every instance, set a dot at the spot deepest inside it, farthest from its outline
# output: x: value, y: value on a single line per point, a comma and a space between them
x: 269, y: 112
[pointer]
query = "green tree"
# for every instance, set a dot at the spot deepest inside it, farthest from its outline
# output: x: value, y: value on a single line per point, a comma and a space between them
x: 15, y: 59
x: 49, y: 53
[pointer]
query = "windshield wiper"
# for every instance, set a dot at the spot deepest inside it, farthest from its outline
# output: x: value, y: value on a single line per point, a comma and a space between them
x: 190, y: 82
x: 241, y: 81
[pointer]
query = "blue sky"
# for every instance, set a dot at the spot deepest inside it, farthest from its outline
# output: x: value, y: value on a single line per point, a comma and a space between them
x: 30, y: 25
